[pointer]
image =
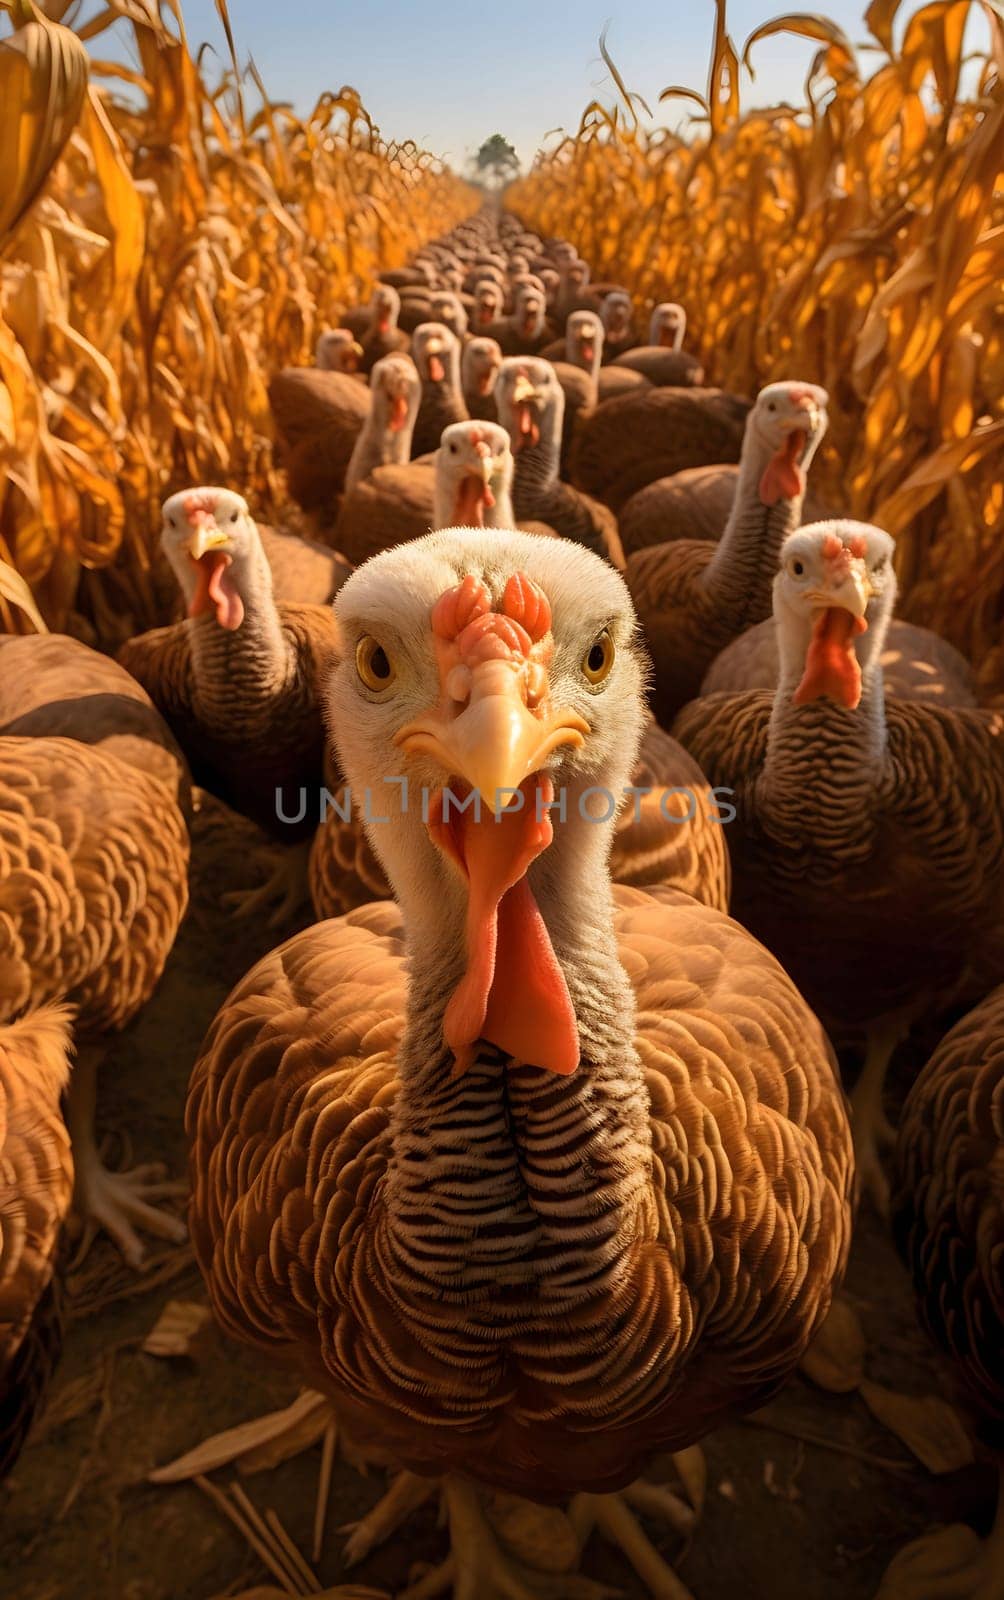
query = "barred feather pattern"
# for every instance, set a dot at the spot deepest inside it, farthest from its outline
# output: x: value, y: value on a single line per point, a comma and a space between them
x: 948, y: 1203
x: 245, y: 705
x: 693, y: 598
x: 868, y: 850
x: 481, y: 1270
x: 36, y: 1188
x: 93, y: 881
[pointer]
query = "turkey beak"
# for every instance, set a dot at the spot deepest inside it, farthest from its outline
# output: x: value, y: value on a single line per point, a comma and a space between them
x: 499, y: 737
x: 207, y: 536
x: 851, y: 592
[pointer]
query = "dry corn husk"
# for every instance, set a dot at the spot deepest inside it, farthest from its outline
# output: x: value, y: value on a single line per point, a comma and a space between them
x: 43, y: 80
x: 859, y: 243
x: 159, y: 259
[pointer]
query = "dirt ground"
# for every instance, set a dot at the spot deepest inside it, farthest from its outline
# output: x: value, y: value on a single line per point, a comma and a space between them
x: 811, y: 1498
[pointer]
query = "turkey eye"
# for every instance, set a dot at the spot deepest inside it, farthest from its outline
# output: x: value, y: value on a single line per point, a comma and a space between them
x: 599, y: 658
x: 771, y: 406
x: 234, y: 515
x: 798, y: 567
x: 373, y: 664
x: 453, y: 449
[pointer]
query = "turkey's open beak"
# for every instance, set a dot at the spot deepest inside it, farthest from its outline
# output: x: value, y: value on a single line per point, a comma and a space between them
x: 524, y: 403
x: 206, y: 536
x: 831, y: 664
x: 495, y: 740
x: 512, y: 992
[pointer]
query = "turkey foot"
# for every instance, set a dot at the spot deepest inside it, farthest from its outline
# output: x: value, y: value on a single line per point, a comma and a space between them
x: 871, y: 1128
x: 118, y: 1202
x: 406, y: 1493
x: 286, y: 886
x: 613, y: 1515
x: 950, y: 1564
x: 482, y: 1565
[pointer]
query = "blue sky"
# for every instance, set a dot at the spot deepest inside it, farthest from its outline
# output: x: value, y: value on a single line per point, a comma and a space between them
x: 448, y: 73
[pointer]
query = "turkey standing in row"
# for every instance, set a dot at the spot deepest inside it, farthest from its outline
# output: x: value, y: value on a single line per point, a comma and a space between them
x: 238, y: 681
x: 868, y: 850
x: 474, y: 469
x: 574, y: 1189
x: 387, y: 432
x: 531, y: 406
x: 436, y: 353
x: 693, y: 597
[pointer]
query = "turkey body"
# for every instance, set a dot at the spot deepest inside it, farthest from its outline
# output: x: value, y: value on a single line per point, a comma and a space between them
x: 465, y: 1374
x: 948, y: 1206
x: 248, y: 735
x: 54, y: 686
x: 95, y: 881
x: 486, y: 1262
x: 36, y: 1187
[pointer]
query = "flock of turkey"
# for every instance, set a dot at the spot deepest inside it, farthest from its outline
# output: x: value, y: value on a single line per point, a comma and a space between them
x: 535, y: 1159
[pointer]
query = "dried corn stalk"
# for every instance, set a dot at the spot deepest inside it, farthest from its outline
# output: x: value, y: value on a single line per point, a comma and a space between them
x: 159, y: 259
x: 858, y: 242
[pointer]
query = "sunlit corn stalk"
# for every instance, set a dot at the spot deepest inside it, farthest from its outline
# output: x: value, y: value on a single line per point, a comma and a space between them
x: 161, y: 255
x: 859, y: 242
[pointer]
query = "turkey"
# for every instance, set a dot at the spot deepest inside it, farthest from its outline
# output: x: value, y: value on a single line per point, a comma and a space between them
x: 693, y: 597
x: 474, y: 470
x: 436, y: 353
x: 541, y: 1189
x: 948, y: 1217
x: 387, y: 432
x: 36, y: 1188
x: 868, y: 849
x: 531, y: 406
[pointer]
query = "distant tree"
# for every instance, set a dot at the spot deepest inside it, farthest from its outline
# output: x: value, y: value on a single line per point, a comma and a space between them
x: 498, y: 160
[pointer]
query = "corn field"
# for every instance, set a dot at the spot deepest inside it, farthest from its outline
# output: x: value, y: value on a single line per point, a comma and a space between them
x: 165, y: 245
x: 857, y: 242
x: 163, y: 249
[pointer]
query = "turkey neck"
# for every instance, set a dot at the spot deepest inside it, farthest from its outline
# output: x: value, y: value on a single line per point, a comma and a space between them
x: 824, y: 762
x: 739, y: 577
x: 379, y: 445
x: 536, y: 471
x: 512, y: 1185
x: 246, y: 666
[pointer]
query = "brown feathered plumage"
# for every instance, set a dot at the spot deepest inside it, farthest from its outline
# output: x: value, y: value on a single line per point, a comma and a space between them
x: 948, y: 1217
x: 36, y: 1187
x: 303, y: 571
x: 54, y: 686
x: 948, y: 1204
x: 693, y: 598
x: 393, y: 502
x: 629, y: 442
x: 318, y: 417
x: 317, y: 1027
x: 245, y: 738
x: 488, y: 1271
x: 692, y: 504
x: 665, y: 369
